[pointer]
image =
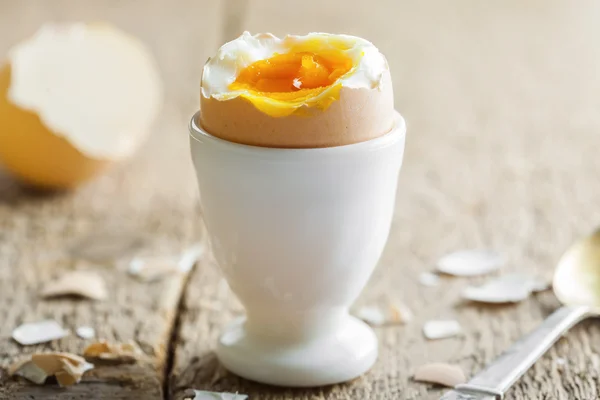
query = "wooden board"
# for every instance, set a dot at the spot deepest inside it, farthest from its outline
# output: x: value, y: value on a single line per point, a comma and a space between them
x: 153, y: 195
x: 501, y: 101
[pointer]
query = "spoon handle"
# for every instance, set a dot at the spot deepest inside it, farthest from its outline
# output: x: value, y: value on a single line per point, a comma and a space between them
x: 513, y: 363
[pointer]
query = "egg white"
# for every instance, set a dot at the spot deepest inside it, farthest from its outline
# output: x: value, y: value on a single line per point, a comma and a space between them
x: 369, y: 65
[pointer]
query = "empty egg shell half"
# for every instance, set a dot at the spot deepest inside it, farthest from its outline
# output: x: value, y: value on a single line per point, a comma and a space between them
x: 73, y: 99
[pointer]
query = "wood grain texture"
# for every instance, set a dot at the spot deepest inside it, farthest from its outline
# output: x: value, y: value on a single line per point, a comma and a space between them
x: 153, y: 194
x: 501, y: 102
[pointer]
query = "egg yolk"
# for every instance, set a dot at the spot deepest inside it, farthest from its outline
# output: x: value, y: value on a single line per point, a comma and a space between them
x: 292, y: 78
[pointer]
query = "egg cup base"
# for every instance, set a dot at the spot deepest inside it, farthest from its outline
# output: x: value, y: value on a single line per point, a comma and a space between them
x: 346, y: 353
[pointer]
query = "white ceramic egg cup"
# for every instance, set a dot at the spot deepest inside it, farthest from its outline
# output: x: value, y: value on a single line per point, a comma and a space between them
x: 297, y: 233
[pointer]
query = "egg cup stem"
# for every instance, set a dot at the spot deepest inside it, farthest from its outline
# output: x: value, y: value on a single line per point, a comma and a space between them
x: 297, y: 234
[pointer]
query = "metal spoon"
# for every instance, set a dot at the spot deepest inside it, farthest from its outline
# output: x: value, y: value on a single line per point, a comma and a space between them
x: 577, y: 285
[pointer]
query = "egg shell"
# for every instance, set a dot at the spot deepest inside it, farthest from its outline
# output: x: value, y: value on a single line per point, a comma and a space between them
x: 74, y: 98
x: 358, y: 115
x: 50, y: 170
x: 441, y: 373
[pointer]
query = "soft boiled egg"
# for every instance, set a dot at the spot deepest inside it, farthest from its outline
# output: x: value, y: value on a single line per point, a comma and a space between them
x: 73, y: 99
x: 316, y: 90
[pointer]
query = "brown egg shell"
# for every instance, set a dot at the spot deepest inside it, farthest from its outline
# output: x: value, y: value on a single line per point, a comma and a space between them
x: 357, y: 116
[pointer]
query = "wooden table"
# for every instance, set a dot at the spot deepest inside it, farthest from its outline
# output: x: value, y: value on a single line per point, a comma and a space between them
x: 502, y: 101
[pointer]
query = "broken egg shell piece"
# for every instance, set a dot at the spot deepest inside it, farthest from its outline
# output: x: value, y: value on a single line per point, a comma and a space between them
x: 28, y: 370
x: 71, y: 374
x: 372, y: 315
x: 204, y: 395
x: 441, y: 329
x: 400, y: 313
x: 394, y: 313
x: 52, y: 362
x: 87, y: 284
x: 85, y: 332
x: 511, y: 288
x: 39, y: 332
x: 470, y: 262
x: 149, y: 269
x: 440, y: 373
x: 429, y: 279
x: 66, y: 367
x: 119, y: 352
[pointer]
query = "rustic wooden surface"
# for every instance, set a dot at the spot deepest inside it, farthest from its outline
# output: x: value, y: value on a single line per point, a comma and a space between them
x: 154, y: 195
x: 502, y: 105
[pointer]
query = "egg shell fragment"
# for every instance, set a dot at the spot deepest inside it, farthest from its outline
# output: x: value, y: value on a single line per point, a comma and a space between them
x: 117, y: 352
x: 78, y: 283
x: 85, y: 332
x: 429, y: 279
x: 440, y: 373
x: 204, y: 395
x: 441, y: 329
x: 510, y: 288
x: 38, y: 332
x: 152, y: 268
x: 394, y: 313
x: 67, y: 368
x: 471, y: 262
x: 28, y: 370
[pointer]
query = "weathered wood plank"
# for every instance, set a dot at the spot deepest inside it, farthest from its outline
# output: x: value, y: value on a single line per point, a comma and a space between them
x: 501, y: 101
x: 153, y: 194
